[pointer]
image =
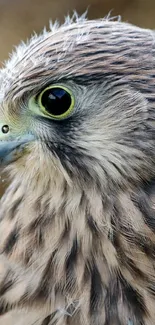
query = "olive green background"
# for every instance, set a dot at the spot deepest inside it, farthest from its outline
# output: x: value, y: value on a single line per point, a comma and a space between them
x: 19, y: 18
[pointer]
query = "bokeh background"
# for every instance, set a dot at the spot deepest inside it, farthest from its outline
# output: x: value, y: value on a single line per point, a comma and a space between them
x: 19, y: 18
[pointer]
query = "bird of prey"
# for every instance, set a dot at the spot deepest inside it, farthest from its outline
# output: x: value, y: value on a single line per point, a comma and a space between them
x: 77, y: 139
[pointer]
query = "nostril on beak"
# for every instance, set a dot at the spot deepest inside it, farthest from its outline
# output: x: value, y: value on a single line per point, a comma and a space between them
x: 5, y: 128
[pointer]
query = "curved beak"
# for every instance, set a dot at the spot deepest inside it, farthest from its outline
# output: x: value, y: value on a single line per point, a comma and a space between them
x: 11, y: 149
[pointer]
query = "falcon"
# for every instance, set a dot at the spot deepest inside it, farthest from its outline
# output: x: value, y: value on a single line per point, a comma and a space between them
x: 77, y: 141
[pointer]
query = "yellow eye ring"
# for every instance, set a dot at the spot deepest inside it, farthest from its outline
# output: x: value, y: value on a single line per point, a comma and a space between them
x: 56, y: 101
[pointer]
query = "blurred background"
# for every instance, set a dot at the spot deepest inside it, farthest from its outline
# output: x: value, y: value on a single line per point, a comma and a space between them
x: 19, y: 18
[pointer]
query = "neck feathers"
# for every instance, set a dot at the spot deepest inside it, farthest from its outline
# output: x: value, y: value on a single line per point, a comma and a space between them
x: 84, y: 249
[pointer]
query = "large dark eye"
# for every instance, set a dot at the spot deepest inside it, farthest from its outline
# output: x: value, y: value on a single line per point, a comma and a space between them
x: 56, y: 101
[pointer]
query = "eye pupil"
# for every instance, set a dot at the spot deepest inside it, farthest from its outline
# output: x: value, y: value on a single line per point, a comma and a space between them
x: 56, y: 101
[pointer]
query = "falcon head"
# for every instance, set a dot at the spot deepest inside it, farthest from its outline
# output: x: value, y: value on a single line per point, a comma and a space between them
x: 79, y: 100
